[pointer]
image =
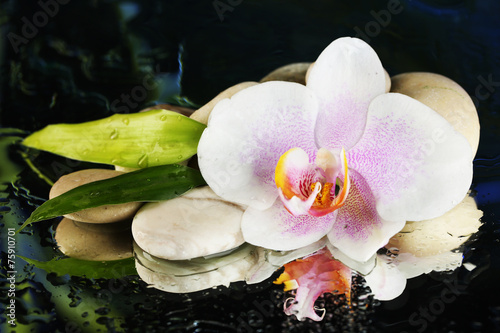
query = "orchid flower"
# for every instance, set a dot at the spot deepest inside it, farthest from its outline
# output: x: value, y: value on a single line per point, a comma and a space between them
x: 311, y: 277
x: 337, y: 157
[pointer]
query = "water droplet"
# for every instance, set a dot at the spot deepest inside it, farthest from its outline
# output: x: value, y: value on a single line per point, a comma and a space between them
x: 85, y: 152
x: 126, y: 121
x: 164, y: 117
x: 179, y: 157
x: 114, y: 134
x: 179, y: 118
x: 143, y: 161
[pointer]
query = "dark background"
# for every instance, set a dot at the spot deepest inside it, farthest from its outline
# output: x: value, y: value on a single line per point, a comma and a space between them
x: 83, y: 58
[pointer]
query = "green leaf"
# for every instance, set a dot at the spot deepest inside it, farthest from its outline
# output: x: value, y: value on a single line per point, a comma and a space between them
x: 138, y: 140
x: 90, y: 269
x: 151, y: 184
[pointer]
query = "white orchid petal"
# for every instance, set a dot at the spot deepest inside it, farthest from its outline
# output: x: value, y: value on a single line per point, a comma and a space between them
x: 386, y: 281
x: 275, y: 228
x: 247, y: 134
x: 362, y: 267
x: 416, y: 164
x: 346, y: 77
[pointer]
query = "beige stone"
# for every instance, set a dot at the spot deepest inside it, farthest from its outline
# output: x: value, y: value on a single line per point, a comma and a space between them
x: 201, y: 115
x: 441, y: 234
x: 444, y: 96
x: 97, y: 242
x: 196, y: 224
x: 185, y: 276
x: 101, y: 214
x: 295, y: 72
x: 387, y: 78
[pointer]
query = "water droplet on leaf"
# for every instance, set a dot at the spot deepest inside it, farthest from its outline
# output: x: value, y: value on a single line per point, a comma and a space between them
x: 114, y: 134
x: 143, y: 161
x: 126, y: 121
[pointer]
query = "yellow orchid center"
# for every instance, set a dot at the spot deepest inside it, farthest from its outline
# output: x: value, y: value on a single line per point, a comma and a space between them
x: 307, y: 188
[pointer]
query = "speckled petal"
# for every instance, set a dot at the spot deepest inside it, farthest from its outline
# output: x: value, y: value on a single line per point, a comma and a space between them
x: 417, y: 166
x: 346, y: 77
x: 275, y: 228
x: 359, y: 231
x: 247, y: 134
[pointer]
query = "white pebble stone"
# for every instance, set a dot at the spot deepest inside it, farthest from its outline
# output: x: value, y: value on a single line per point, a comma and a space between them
x: 184, y: 276
x: 196, y: 224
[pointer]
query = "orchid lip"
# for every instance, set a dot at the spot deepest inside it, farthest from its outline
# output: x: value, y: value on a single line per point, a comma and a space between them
x: 310, y: 189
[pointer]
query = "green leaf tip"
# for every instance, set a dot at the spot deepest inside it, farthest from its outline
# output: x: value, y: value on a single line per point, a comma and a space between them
x: 146, y: 185
x: 137, y: 140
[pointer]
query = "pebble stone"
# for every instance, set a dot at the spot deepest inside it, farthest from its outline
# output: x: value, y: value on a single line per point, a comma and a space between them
x: 96, y: 242
x: 201, y: 115
x: 295, y: 72
x: 444, y: 96
x: 102, y: 214
x: 185, y: 276
x: 196, y: 224
x: 441, y: 234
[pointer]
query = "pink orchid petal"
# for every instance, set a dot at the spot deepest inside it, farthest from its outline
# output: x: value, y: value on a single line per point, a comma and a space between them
x: 359, y: 231
x: 312, y: 277
x: 247, y: 134
x: 417, y: 166
x: 346, y: 77
x: 276, y: 229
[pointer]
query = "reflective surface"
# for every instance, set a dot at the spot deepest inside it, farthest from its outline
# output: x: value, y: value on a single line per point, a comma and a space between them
x: 79, y: 61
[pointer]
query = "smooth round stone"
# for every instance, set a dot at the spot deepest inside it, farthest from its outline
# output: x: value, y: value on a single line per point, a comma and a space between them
x: 444, y: 96
x: 295, y: 72
x: 387, y: 78
x: 101, y: 214
x: 201, y: 115
x: 196, y: 224
x: 97, y: 242
x: 439, y: 235
x: 185, y: 276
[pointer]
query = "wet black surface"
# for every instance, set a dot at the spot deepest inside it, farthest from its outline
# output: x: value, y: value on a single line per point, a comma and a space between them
x: 86, y: 61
